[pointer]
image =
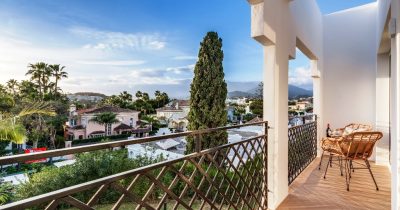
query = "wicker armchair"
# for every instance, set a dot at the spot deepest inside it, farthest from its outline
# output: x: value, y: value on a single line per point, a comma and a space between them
x: 356, y: 146
x: 330, y: 144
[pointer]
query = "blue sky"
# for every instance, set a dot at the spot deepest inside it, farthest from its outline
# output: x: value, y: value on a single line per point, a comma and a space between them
x: 110, y: 46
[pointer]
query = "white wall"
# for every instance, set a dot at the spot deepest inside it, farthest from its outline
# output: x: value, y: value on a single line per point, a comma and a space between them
x: 395, y: 106
x: 382, y: 108
x: 350, y: 66
x: 273, y: 26
x: 383, y: 9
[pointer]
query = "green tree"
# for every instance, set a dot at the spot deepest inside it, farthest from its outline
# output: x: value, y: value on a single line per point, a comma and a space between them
x: 256, y: 107
x: 260, y: 90
x: 38, y: 73
x: 11, y: 127
x: 28, y: 90
x: 6, y: 102
x: 208, y: 93
x: 12, y: 86
x: 58, y: 73
x: 106, y: 119
x: 239, y: 110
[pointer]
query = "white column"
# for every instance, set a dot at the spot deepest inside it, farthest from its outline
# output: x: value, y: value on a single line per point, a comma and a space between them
x: 381, y: 154
x: 395, y: 106
x: 276, y: 113
x: 317, y: 101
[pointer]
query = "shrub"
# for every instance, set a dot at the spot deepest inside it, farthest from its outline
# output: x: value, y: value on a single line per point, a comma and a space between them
x: 99, y: 139
x: 88, y: 166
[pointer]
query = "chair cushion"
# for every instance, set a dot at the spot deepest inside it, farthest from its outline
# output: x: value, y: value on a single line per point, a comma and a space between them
x: 331, y: 145
x: 348, y: 131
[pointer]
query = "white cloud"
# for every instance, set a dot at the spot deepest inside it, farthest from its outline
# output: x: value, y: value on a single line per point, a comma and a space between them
x: 117, y: 40
x: 170, y: 75
x: 300, y: 76
x: 185, y: 57
x: 112, y: 62
x: 181, y: 69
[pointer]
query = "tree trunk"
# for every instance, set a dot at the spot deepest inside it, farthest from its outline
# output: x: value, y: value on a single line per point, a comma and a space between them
x: 35, y: 143
x: 55, y: 86
x: 105, y: 130
x: 52, y: 138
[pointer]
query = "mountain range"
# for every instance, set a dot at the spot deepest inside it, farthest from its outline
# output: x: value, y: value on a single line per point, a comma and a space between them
x: 294, y: 92
x: 182, y: 90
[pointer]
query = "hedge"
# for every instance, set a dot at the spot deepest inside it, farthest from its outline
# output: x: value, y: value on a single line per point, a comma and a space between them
x: 99, y: 139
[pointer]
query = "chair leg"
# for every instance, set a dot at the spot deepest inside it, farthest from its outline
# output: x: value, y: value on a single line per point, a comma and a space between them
x: 340, y: 165
x: 327, y: 164
x: 346, y: 168
x: 320, y: 162
x: 372, y: 175
x: 349, y: 164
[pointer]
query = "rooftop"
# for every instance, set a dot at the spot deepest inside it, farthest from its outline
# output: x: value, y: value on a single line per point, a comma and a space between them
x: 105, y: 109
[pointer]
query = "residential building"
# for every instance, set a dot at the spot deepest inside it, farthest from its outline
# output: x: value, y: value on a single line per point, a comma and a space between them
x: 174, y: 114
x: 81, y: 126
x: 238, y: 101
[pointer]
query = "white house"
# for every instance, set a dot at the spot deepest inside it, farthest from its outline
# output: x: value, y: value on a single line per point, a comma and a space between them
x: 175, y: 114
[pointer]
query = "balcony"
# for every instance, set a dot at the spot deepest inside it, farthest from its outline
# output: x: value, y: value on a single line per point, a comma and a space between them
x: 311, y: 191
x: 354, y: 63
x: 231, y: 176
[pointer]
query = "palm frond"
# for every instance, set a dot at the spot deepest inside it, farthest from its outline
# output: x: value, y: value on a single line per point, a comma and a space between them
x: 40, y: 108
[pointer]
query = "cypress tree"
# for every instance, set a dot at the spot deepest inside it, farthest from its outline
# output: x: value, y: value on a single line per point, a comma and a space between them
x: 208, y: 94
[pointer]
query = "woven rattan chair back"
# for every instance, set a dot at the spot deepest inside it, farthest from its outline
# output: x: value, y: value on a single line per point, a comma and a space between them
x: 359, y: 145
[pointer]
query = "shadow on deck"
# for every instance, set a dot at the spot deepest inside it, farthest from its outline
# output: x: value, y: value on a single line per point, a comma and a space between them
x: 311, y: 191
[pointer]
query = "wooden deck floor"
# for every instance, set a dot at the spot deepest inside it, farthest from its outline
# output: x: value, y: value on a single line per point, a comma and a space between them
x: 311, y: 191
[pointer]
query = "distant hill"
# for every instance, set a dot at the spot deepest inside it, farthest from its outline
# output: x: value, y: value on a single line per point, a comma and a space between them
x: 297, y: 92
x: 294, y: 93
x: 89, y: 94
x: 86, y: 97
x: 239, y: 94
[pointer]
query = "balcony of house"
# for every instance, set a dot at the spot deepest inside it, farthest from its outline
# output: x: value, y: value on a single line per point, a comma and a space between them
x: 230, y: 176
x: 316, y: 184
x: 354, y: 64
x: 311, y: 191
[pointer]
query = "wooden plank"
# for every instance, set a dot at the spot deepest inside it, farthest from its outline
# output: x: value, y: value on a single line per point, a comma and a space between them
x: 311, y: 191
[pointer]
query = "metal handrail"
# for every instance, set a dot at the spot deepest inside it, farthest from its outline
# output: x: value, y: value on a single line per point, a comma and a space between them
x: 56, y: 196
x: 112, y: 178
x: 107, y: 145
x: 302, y: 116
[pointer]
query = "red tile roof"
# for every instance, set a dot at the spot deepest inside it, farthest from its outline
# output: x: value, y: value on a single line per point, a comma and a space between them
x: 105, y: 109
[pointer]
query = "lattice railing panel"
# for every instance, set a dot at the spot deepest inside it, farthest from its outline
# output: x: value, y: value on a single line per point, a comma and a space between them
x: 232, y: 176
x: 302, y: 148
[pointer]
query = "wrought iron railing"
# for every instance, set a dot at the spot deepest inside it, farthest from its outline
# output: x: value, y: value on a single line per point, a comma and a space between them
x: 231, y: 176
x: 302, y: 147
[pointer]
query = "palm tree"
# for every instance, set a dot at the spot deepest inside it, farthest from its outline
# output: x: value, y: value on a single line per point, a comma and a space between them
x: 11, y: 127
x: 6, y: 103
x: 106, y: 119
x: 37, y: 72
x: 12, y: 85
x: 58, y: 74
x: 27, y: 89
x: 46, y: 82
